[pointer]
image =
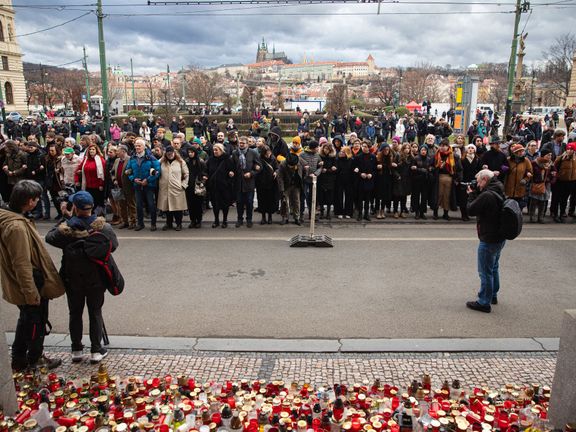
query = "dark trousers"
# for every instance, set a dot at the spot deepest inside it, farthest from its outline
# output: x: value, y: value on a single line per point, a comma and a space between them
x: 556, y: 189
x: 419, y: 198
x: 30, y: 331
x: 94, y: 299
x: 399, y: 204
x: 344, y: 200
x: 145, y: 194
x: 307, y: 199
x: 325, y: 197
x: 245, y: 201
x: 194, y: 205
x: 364, y: 198
x: 563, y: 189
x: 172, y: 216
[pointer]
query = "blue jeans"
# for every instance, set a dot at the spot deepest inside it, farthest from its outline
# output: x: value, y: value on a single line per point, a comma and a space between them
x: 488, y: 257
x: 245, y: 200
x: 141, y: 194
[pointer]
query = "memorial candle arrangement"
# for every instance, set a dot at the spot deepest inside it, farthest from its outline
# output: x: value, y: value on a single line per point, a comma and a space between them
x: 103, y: 403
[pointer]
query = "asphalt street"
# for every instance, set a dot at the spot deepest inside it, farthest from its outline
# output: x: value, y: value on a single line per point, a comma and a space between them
x: 379, y: 281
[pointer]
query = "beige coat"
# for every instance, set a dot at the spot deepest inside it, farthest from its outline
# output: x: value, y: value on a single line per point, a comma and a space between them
x: 22, y: 250
x: 172, y: 186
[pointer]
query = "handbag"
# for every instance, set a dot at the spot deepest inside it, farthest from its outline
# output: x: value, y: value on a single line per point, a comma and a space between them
x: 117, y: 194
x: 199, y: 188
x: 538, y: 188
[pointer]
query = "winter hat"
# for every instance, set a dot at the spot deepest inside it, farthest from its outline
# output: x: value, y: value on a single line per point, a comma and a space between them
x: 397, y: 139
x: 68, y: 150
x: 471, y: 146
x: 495, y: 140
x: 545, y: 151
x: 426, y: 147
x: 169, y: 149
x: 571, y: 146
x: 516, y: 147
x: 296, y: 140
x: 196, y: 140
x: 322, y: 141
x: 312, y: 145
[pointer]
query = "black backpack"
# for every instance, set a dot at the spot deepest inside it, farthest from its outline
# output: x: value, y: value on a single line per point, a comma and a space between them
x: 90, y: 255
x: 510, y: 218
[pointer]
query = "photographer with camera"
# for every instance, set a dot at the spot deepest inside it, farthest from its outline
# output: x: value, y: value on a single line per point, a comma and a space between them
x: 81, y: 275
x: 485, y: 202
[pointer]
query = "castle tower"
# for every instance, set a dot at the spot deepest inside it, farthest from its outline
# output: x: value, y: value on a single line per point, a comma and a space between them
x: 571, y: 99
x: 262, y: 52
x: 11, y: 72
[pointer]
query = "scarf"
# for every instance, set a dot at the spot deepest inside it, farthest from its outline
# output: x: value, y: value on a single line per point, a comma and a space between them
x: 470, y: 157
x: 99, y: 170
x: 242, y: 154
x: 449, y: 161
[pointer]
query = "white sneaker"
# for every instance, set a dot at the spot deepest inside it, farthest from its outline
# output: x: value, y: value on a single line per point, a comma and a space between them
x: 347, y: 217
x: 97, y: 357
x: 77, y: 356
x: 340, y: 217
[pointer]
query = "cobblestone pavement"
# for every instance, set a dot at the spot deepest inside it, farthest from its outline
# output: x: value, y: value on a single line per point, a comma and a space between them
x: 490, y: 369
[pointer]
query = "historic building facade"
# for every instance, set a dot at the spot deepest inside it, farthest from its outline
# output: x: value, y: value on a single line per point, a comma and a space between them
x: 11, y: 72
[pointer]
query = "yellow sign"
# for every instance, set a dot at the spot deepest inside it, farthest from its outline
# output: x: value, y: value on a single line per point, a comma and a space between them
x: 459, y: 95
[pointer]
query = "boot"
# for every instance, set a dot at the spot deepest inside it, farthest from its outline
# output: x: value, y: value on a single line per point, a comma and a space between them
x: 435, y: 214
x: 322, y: 212
x: 367, y: 216
x: 541, y: 210
x: 532, y: 210
x: 263, y: 221
x: 328, y: 213
x: 445, y: 215
x: 464, y: 214
x: 269, y: 218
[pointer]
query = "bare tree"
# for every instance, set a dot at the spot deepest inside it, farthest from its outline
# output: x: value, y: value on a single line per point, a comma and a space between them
x: 278, y: 101
x: 558, y: 67
x: 420, y: 82
x: 337, y: 102
x: 494, y: 84
x: 204, y: 88
x: 383, y: 88
x: 151, y: 92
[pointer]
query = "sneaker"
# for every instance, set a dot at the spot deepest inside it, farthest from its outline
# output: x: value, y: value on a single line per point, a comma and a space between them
x: 340, y: 217
x: 46, y: 362
x: 97, y: 357
x: 347, y: 216
x: 474, y: 305
x: 77, y: 356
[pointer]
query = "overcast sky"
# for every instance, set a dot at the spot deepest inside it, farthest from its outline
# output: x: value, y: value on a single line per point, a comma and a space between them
x: 188, y: 35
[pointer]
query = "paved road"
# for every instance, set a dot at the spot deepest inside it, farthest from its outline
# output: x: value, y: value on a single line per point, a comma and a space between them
x: 379, y: 281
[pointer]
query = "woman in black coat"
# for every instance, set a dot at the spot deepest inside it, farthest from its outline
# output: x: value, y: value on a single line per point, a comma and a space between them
x: 327, y: 179
x: 383, y: 187
x: 220, y: 184
x: 344, y: 196
x: 197, y: 170
x: 266, y: 185
x: 364, y: 167
x: 401, y: 181
x: 470, y: 167
x: 422, y: 167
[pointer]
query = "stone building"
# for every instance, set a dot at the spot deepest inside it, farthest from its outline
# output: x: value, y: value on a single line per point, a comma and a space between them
x: 262, y: 54
x: 11, y: 73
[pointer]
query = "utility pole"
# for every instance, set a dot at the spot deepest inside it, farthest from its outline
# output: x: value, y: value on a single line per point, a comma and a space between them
x: 532, y: 90
x: 521, y: 7
x: 103, y: 70
x: 87, y: 76
x: 132, y: 75
x: 183, y: 76
x: 169, y: 105
x: 43, y: 88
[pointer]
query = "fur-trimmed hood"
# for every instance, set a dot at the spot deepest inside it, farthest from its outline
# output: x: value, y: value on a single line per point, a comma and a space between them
x: 65, y: 229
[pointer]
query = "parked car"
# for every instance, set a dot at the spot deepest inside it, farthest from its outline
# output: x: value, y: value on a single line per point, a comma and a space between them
x: 14, y: 116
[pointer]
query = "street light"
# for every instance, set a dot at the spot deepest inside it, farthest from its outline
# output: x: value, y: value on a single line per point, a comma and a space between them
x: 532, y: 90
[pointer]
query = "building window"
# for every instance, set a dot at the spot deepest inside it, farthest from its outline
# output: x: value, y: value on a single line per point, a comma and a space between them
x: 5, y: 65
x: 9, y: 94
x: 1, y: 32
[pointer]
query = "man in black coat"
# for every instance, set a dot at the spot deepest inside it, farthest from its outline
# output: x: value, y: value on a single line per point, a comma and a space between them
x: 247, y: 165
x: 494, y: 159
x: 485, y: 202
x: 277, y: 143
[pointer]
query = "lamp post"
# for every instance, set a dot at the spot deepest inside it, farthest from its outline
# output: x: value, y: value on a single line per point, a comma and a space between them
x: 532, y: 90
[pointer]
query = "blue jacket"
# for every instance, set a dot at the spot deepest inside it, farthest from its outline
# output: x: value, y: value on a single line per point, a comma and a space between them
x: 143, y: 169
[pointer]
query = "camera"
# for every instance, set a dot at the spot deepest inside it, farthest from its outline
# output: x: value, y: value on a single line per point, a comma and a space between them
x: 472, y: 185
x: 64, y: 195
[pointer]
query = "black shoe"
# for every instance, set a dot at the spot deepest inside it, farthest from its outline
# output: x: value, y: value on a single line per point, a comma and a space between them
x: 249, y: 224
x: 263, y: 221
x: 178, y: 228
x: 359, y: 218
x: 192, y: 225
x: 423, y: 217
x: 215, y: 224
x: 239, y: 224
x: 557, y: 219
x: 417, y: 217
x: 445, y: 216
x: 224, y: 224
x: 298, y: 222
x: 474, y: 305
x: 166, y: 227
x: 367, y: 218
x: 123, y: 226
x: 19, y: 365
x: 494, y: 300
x: 139, y: 228
x: 45, y: 362
x: 153, y: 228
x: 284, y: 221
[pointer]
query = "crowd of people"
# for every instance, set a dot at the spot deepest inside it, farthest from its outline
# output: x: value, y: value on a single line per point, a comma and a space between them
x: 364, y: 168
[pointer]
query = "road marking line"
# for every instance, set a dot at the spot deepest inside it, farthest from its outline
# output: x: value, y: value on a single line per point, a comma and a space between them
x: 344, y: 239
